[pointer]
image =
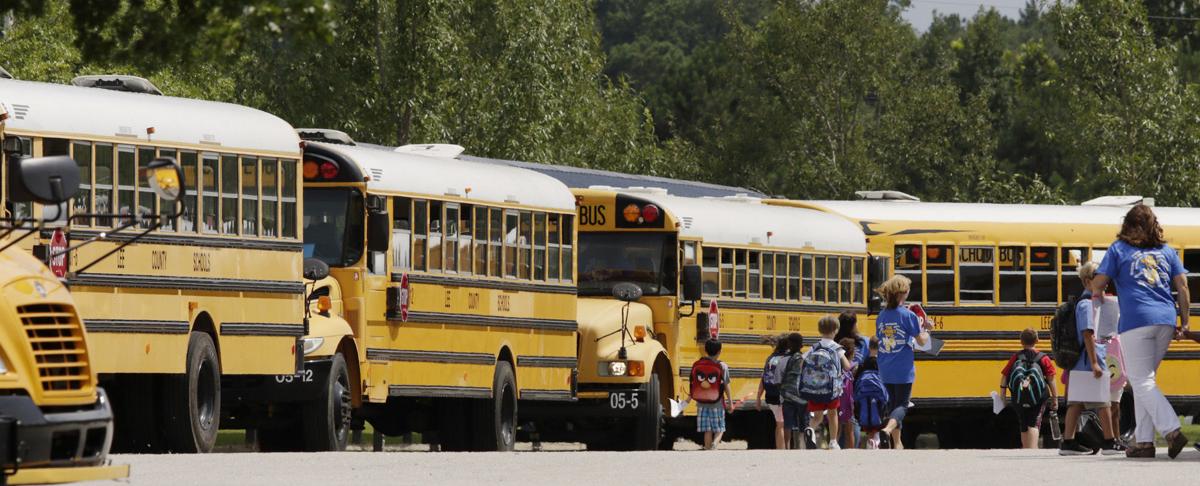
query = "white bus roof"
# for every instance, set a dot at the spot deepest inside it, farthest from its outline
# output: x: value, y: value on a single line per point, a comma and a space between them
x: 72, y: 111
x: 998, y: 213
x: 411, y: 173
x: 742, y: 220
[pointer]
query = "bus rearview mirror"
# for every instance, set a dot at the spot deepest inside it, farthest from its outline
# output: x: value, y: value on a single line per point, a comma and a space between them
x: 315, y: 269
x: 692, y: 283
x: 165, y: 178
x: 377, y: 231
x: 46, y: 180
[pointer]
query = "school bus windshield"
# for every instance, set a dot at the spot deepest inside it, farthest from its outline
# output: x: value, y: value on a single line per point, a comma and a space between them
x: 645, y: 259
x: 333, y: 225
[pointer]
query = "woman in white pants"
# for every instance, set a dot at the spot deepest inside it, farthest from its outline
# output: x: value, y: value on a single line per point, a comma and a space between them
x: 1144, y: 269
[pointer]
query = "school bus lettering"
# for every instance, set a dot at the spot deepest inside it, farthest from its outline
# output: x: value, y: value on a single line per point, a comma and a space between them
x: 793, y: 323
x: 472, y: 300
x: 975, y: 255
x: 201, y: 262
x: 158, y: 259
x: 448, y: 300
x: 770, y: 323
x: 503, y: 303
x: 120, y: 258
x: 594, y: 215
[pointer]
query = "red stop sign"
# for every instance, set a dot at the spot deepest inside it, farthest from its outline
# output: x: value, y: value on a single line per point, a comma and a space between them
x: 404, y: 298
x: 58, y: 253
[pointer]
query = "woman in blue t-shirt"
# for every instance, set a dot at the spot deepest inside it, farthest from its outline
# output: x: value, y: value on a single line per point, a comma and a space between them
x: 1144, y: 269
x: 896, y: 327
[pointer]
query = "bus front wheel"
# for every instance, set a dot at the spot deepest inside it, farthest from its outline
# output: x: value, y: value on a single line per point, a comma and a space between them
x: 497, y: 418
x: 193, y: 400
x: 651, y: 421
x: 327, y: 417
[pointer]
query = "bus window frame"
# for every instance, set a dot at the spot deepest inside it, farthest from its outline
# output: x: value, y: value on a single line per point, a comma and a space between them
x: 958, y: 273
x: 206, y: 192
x: 1063, y: 276
x: 920, y: 270
x: 953, y: 259
x: 767, y: 291
x: 401, y: 263
x: 1057, y: 272
x: 706, y: 270
x: 1193, y: 272
x: 264, y: 198
x: 754, y: 274
x: 1024, y: 272
x: 449, y: 248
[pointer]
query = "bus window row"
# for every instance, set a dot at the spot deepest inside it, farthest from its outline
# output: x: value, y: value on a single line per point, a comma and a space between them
x: 472, y: 239
x: 224, y: 194
x: 1005, y: 274
x: 779, y: 276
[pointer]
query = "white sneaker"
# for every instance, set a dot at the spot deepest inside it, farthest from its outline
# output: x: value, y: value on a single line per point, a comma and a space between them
x: 833, y: 445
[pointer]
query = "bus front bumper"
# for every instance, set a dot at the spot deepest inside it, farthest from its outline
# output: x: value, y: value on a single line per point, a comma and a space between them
x: 604, y: 401
x: 68, y: 443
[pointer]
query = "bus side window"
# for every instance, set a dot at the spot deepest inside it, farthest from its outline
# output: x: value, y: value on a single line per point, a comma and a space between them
x: 451, y: 245
x: 1043, y: 275
x: 1071, y: 259
x: 1012, y: 275
x: 939, y: 274
x: 191, y: 183
x: 1191, y: 261
x: 104, y: 183
x: 208, y: 192
x: 554, y: 249
x: 164, y: 207
x: 807, y: 285
x: 976, y: 267
x: 270, y: 198
x: 858, y: 280
x: 480, y: 242
x: 524, y: 243
x: 287, y: 201
x: 783, y: 276
x: 229, y: 194
x: 511, y: 234
x: 908, y: 264
x: 568, y: 252
x: 768, y: 276
x: 726, y: 272
x: 435, y: 236
x: 126, y: 181
x: 420, y: 225
x: 754, y: 275
x: 495, y: 241
x: 465, y: 238
x: 146, y: 198
x: 249, y: 196
x: 819, y: 275
x: 711, y: 272
x: 401, y: 233
x: 844, y: 280
x: 82, y: 153
x: 539, y: 246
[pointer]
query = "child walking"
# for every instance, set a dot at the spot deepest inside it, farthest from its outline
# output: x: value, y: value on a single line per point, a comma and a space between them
x: 821, y: 382
x: 846, y: 422
x: 870, y: 395
x: 1092, y: 359
x: 769, y: 385
x: 710, y: 391
x: 1029, y: 380
x: 794, y: 405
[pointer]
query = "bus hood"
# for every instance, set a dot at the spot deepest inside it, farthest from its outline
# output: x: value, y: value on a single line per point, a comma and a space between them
x: 600, y: 335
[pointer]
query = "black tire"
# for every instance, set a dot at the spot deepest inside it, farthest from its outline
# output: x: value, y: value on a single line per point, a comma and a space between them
x: 327, y: 417
x: 496, y: 427
x: 649, y: 426
x: 192, y: 405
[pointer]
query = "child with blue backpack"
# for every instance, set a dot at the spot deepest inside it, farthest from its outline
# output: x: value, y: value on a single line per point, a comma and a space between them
x: 1028, y: 379
x: 769, y: 385
x: 821, y: 382
x: 870, y: 396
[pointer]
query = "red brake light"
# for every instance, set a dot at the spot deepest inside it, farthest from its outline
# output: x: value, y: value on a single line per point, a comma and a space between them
x: 650, y: 213
x: 311, y: 169
x: 329, y: 170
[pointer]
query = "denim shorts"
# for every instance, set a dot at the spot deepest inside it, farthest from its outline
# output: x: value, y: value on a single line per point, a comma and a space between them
x: 795, y: 415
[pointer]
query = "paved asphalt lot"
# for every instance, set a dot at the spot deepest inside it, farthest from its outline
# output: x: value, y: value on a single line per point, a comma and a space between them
x: 674, y: 468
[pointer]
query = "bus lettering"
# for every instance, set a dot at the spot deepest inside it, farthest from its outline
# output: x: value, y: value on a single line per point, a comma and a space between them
x: 472, y: 300
x: 503, y: 303
x: 201, y: 262
x: 158, y: 259
x: 770, y: 323
x: 121, y: 258
x: 793, y: 323
x: 593, y: 215
x: 448, y: 299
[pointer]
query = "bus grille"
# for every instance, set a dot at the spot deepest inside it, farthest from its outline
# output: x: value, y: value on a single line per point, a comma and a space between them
x: 58, y: 348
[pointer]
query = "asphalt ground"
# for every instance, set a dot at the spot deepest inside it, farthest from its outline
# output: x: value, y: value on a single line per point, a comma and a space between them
x: 667, y: 468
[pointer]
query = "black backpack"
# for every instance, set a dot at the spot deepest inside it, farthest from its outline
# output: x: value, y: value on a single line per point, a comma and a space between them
x: 1064, y: 340
x: 1027, y: 385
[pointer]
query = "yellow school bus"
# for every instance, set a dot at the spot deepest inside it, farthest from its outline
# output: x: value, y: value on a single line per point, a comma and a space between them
x: 457, y: 281
x: 55, y: 421
x: 984, y: 272
x: 770, y: 270
x: 209, y: 302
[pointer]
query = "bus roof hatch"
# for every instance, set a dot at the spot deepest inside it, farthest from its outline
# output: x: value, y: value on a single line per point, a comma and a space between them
x: 117, y: 82
x: 442, y: 150
x: 1119, y: 201
x: 885, y: 196
x: 326, y: 135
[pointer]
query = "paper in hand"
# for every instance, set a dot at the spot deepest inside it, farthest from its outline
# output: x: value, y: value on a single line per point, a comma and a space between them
x: 997, y: 403
x: 677, y: 407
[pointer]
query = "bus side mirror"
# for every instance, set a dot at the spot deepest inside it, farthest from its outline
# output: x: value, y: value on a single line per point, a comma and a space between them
x: 378, y: 232
x: 877, y: 272
x: 46, y: 180
x: 315, y: 269
x: 165, y: 178
x: 627, y: 292
x: 875, y: 304
x: 692, y: 283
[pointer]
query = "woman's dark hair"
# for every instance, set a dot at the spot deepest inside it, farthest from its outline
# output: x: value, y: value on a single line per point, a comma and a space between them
x: 795, y: 341
x: 1141, y: 228
x: 847, y: 326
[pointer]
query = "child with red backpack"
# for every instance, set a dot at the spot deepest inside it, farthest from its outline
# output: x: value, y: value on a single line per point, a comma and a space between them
x: 1028, y: 379
x: 710, y: 390
x: 821, y: 382
x: 870, y: 396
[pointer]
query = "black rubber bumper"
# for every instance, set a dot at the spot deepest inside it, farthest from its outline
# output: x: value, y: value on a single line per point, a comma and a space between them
x: 56, y: 436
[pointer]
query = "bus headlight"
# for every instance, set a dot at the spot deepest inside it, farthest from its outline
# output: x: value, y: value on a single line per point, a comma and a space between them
x: 622, y: 368
x: 311, y: 344
x: 617, y: 368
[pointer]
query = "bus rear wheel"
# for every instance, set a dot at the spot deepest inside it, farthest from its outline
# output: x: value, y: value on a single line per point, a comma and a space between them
x: 193, y: 400
x: 497, y: 418
x: 327, y: 417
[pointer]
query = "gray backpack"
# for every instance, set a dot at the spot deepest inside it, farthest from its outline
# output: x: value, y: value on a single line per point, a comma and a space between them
x: 789, y: 388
